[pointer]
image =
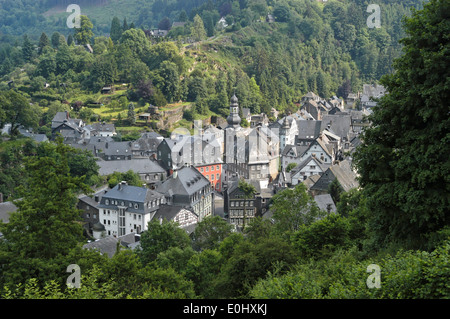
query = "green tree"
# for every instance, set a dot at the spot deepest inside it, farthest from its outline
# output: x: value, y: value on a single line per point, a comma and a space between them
x: 17, y: 111
x: 116, y: 30
x: 132, y: 178
x: 64, y: 59
x: 43, y: 42
x: 137, y: 42
x: 46, y: 225
x: 292, y: 208
x: 159, y: 237
x: 70, y: 40
x: 323, y: 236
x: 131, y: 116
x: 250, y: 262
x: 27, y: 49
x: 407, y: 190
x: 55, y: 39
x: 84, y: 34
x: 202, y: 269
x: 335, y: 189
x: 210, y: 232
x: 198, y: 31
x: 171, y: 80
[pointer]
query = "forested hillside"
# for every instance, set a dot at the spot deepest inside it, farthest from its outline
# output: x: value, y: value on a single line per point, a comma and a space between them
x: 327, y: 48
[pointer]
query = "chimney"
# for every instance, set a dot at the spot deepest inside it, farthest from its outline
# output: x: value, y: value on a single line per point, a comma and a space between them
x: 67, y: 115
x: 175, y: 174
x: 122, y: 183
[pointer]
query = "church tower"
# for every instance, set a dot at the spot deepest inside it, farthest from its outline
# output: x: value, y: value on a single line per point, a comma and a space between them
x: 233, y: 119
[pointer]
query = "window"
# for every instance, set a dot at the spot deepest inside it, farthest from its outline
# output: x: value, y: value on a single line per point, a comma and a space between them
x: 212, y: 177
x: 201, y: 169
x: 104, y: 222
x: 312, y: 167
x: 218, y: 167
x: 106, y: 202
x: 212, y: 168
x: 217, y: 176
x: 136, y: 206
x: 207, y: 168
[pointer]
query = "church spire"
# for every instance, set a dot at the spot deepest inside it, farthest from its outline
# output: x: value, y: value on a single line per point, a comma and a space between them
x: 233, y: 119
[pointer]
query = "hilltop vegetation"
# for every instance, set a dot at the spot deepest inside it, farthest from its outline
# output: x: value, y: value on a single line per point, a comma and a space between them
x: 327, y: 49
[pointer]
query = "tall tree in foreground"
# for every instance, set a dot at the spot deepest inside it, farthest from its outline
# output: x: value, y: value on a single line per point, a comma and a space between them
x: 403, y: 162
x: 45, y: 224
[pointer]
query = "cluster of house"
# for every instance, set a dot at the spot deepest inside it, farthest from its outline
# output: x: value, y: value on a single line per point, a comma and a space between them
x: 185, y: 175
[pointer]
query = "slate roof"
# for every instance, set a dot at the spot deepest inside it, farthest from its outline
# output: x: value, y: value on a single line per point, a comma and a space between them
x: 323, y: 201
x: 108, y: 245
x: 102, y: 127
x: 298, y: 150
x: 131, y: 193
x: 147, y: 142
x: 169, y: 212
x: 140, y: 166
x: 188, y: 180
x: 342, y: 172
x: 63, y: 117
x: 118, y: 148
x: 306, y: 129
x: 323, y: 166
x: 340, y: 124
x: 6, y: 209
x: 345, y: 175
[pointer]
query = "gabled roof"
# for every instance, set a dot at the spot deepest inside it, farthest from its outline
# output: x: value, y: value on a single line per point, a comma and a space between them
x: 102, y: 127
x: 140, y: 166
x: 325, y: 202
x: 342, y: 172
x: 298, y: 150
x: 186, y: 181
x: 306, y: 129
x: 131, y: 193
x: 308, y: 160
x: 339, y: 124
x: 118, y: 148
x: 108, y: 245
x: 169, y: 212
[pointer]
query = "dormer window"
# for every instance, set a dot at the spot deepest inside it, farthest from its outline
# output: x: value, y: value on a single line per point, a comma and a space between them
x: 106, y: 202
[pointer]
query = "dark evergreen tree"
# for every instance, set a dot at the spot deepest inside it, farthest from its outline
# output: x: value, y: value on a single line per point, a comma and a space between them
x: 116, y: 30
x: 403, y: 162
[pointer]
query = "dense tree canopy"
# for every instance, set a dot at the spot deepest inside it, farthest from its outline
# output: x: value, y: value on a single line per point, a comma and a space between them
x: 406, y: 148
